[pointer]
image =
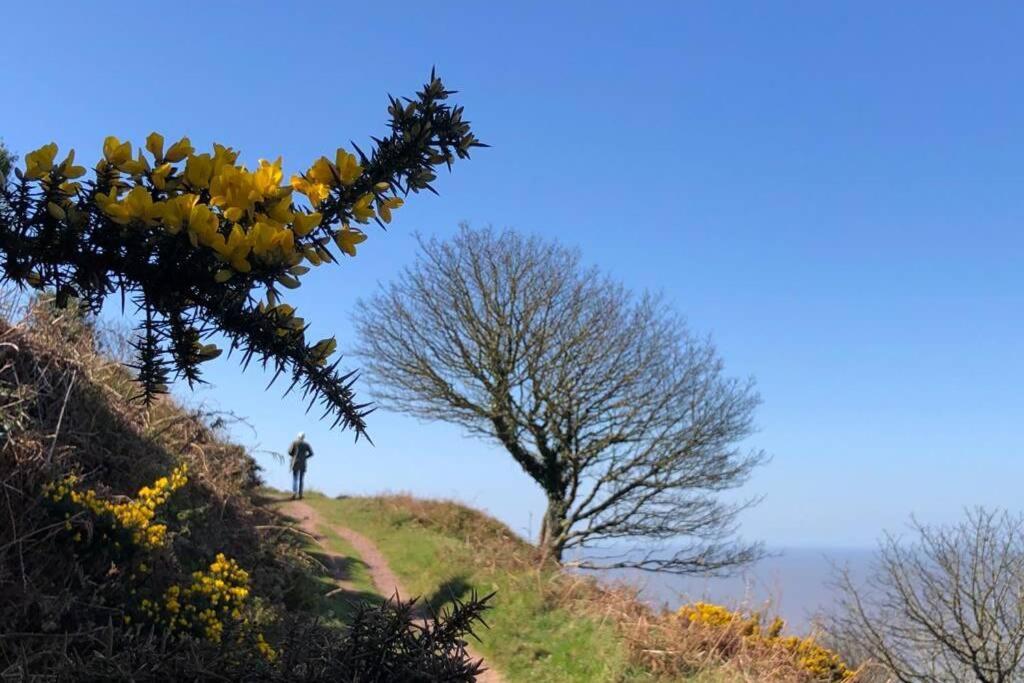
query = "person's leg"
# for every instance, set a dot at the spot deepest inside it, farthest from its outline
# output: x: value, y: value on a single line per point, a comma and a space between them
x: 295, y: 483
x: 302, y: 476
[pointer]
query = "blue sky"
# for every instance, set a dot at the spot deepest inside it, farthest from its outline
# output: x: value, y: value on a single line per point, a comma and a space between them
x: 832, y: 190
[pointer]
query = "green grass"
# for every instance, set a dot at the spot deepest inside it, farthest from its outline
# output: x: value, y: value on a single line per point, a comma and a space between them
x: 528, y: 640
x: 318, y: 592
x: 355, y: 570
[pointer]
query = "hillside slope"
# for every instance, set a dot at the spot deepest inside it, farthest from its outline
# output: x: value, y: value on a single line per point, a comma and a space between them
x: 547, y: 624
x: 136, y: 544
x: 443, y: 551
x: 357, y: 557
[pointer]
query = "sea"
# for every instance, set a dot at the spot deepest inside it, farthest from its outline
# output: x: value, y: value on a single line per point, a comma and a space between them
x: 796, y: 584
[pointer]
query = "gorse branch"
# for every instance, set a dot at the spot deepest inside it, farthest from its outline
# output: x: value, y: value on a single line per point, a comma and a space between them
x: 203, y: 245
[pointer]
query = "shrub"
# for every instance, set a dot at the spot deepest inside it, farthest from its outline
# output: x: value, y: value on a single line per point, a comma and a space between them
x: 722, y: 633
x: 131, y: 515
x: 203, y: 245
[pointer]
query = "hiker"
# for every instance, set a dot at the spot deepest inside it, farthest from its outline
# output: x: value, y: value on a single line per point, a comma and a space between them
x: 300, y: 452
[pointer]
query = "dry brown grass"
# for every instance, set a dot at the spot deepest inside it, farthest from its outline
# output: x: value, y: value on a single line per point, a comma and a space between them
x: 659, y: 642
x: 497, y: 542
x: 669, y: 647
x: 67, y: 409
x: 74, y: 586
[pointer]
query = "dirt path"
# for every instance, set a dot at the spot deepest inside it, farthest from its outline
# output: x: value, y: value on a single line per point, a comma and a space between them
x: 384, y: 579
x: 309, y: 520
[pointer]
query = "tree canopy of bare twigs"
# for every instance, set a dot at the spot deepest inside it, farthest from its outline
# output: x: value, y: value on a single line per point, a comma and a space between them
x: 946, y: 607
x: 624, y: 418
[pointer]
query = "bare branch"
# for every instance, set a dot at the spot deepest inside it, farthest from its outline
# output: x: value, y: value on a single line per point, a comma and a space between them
x: 947, y: 607
x: 623, y: 417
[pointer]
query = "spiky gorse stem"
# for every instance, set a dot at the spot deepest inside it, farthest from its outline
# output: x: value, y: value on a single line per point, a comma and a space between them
x: 203, y: 245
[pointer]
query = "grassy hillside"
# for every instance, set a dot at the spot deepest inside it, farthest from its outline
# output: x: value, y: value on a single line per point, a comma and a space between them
x: 549, y: 625
x: 442, y: 550
x: 136, y: 544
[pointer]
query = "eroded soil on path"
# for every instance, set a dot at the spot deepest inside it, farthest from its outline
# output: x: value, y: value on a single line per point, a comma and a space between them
x: 385, y: 580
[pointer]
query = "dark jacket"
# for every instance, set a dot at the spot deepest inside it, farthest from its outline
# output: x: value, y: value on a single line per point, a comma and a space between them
x: 300, y: 452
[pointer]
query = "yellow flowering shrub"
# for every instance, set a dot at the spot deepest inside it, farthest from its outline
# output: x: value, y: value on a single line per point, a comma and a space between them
x: 214, y: 599
x: 817, y: 661
x: 815, y: 658
x: 245, y: 218
x: 205, y: 244
x: 134, y: 516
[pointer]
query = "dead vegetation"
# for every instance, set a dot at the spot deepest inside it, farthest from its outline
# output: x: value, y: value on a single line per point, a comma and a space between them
x: 70, y: 596
x: 65, y: 409
x: 666, y: 645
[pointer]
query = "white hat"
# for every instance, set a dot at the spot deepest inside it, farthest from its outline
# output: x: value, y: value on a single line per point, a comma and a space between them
x: 301, y: 436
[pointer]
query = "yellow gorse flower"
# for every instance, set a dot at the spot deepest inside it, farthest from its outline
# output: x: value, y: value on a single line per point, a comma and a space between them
x: 174, y: 213
x: 115, y: 151
x: 348, y: 168
x: 139, y: 205
x: 222, y: 156
x: 178, y: 151
x: 385, y: 206
x: 137, y: 166
x: 363, y: 208
x: 347, y: 239
x: 315, y: 192
x: 235, y: 249
x: 234, y: 190
x: 272, y: 242
x: 203, y: 226
x: 135, y: 516
x: 68, y: 169
x: 806, y: 653
x: 323, y: 349
x: 160, y: 175
x: 267, y: 178
x: 322, y: 172
x: 247, y: 219
x: 304, y: 223
x: 114, y: 210
x: 155, y: 146
x: 39, y: 163
x: 199, y: 170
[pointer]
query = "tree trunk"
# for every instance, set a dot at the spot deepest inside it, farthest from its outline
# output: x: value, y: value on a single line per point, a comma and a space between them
x: 553, y: 528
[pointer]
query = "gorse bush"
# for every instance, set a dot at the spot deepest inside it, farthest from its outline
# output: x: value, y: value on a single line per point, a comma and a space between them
x: 137, y: 549
x: 726, y: 633
x: 134, y: 517
x: 704, y: 614
x: 123, y: 536
x: 213, y: 596
x: 203, y: 245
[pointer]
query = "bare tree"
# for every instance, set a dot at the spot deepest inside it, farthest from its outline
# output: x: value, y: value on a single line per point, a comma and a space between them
x: 604, y: 398
x: 948, y: 607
